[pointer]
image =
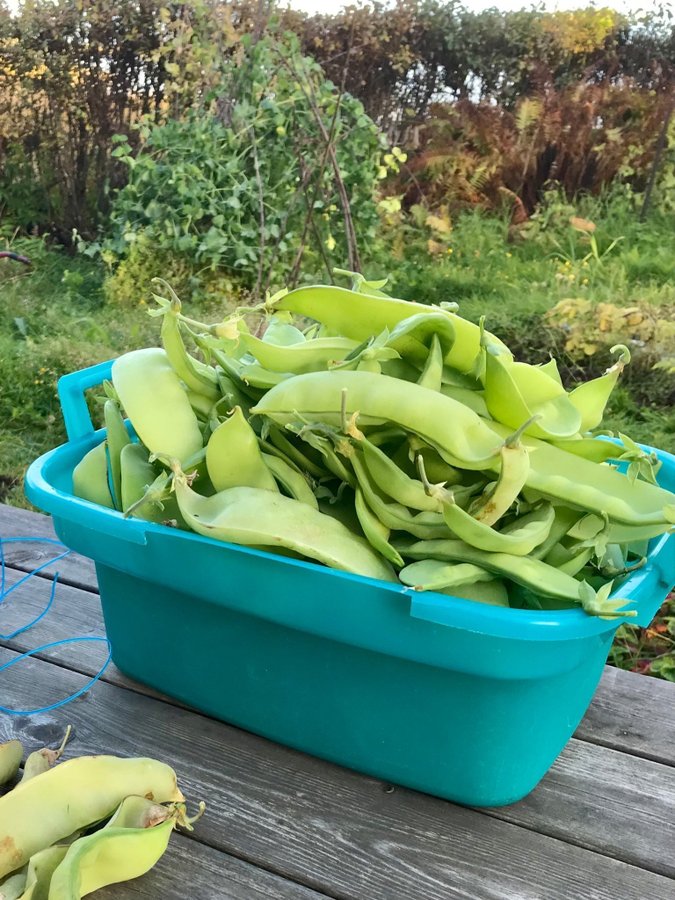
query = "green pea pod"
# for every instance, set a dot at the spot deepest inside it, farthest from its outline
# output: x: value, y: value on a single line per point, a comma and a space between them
x: 290, y: 479
x: 117, y: 439
x: 195, y: 375
x: 40, y: 872
x: 376, y: 533
x: 576, y: 562
x: 433, y: 368
x: 592, y: 449
x: 393, y: 481
x: 454, y: 378
x: 251, y: 516
x: 513, y: 474
x: 359, y: 316
x: 590, y: 526
x: 591, y: 398
x: 475, y: 400
x: 399, y: 368
x: 128, y: 846
x: 90, y: 477
x: 435, y: 575
x: 519, y: 538
x: 531, y: 573
x: 564, y: 519
x: 42, y: 760
x: 492, y: 592
x: 13, y: 887
x: 551, y: 369
x: 413, y: 337
x: 282, y: 332
x: 260, y: 378
x: 517, y: 392
x: 308, y: 356
x: 233, y: 457
x: 438, y: 470
x: 334, y: 463
x: 219, y: 351
x: 11, y: 754
x: 462, y: 437
x: 395, y: 516
x: 295, y: 454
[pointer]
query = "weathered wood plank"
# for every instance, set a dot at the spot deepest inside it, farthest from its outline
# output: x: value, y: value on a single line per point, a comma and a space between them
x: 321, y: 825
x: 192, y: 871
x: 73, y: 569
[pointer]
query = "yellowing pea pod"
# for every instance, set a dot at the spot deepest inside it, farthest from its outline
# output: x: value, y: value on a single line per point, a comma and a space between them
x: 11, y: 754
x: 41, y: 868
x: 156, y: 403
x: 359, y: 316
x: 117, y: 438
x: 90, y: 477
x: 513, y: 474
x: 516, y: 392
x: 44, y: 810
x: 290, y: 479
x: 461, y: 437
x: 591, y: 398
x: 128, y: 846
x: 43, y: 759
x: 308, y: 356
x: 376, y: 533
x: 233, y: 457
x: 260, y: 518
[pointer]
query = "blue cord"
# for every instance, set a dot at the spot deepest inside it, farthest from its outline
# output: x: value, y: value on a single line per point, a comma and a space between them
x: 5, y: 593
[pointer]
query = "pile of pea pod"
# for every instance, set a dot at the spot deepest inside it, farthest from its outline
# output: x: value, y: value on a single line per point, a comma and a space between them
x: 67, y: 830
x: 391, y: 439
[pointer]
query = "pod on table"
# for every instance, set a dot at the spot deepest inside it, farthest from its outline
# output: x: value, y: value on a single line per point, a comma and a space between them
x: 11, y: 754
x: 233, y: 457
x: 90, y: 477
x: 44, y: 810
x: 260, y: 518
x: 156, y: 403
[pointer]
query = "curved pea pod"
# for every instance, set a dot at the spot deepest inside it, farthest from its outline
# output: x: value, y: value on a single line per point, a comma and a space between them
x: 551, y: 369
x: 90, y: 477
x: 44, y: 810
x: 294, y: 454
x: 519, y: 538
x: 40, y: 872
x: 333, y: 461
x: 376, y: 533
x: 531, y: 573
x: 11, y: 754
x: 475, y: 400
x: 156, y: 403
x: 513, y: 473
x: 131, y: 843
x: 393, y: 481
x: 261, y: 518
x: 564, y: 519
x: 412, y: 338
x: 308, y: 356
x: 593, y: 449
x: 137, y: 474
x: 260, y: 378
x: 196, y: 375
x: 436, y: 575
x: 117, y: 438
x: 233, y: 457
x: 461, y: 437
x: 432, y: 372
x: 394, y: 516
x: 291, y: 479
x: 591, y: 398
x: 42, y: 760
x: 492, y: 592
x: 516, y: 392
x: 589, y: 526
x: 359, y: 316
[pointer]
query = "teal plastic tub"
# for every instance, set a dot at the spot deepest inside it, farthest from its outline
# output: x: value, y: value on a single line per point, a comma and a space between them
x: 459, y: 699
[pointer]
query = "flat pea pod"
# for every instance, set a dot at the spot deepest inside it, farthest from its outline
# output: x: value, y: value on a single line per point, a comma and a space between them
x: 233, y: 457
x: 531, y: 573
x: 137, y: 474
x: 156, y: 403
x: 513, y: 474
x: 590, y: 526
x: 475, y: 400
x: 332, y: 460
x: 412, y: 338
x: 376, y: 533
x: 393, y: 515
x: 519, y: 538
x: 294, y: 453
x: 42, y: 811
x: 128, y: 846
x: 359, y: 316
x: 591, y: 398
x: 195, y: 375
x: 593, y: 449
x: 461, y: 436
x: 11, y: 754
x: 117, y: 438
x: 583, y: 484
x: 551, y: 369
x: 260, y: 518
x: 90, y: 477
x: 290, y: 479
x: 516, y: 392
x: 40, y: 871
x: 564, y: 520
x: 281, y: 331
x: 308, y: 356
x: 435, y: 575
x: 492, y: 592
x: 260, y: 378
x: 432, y: 372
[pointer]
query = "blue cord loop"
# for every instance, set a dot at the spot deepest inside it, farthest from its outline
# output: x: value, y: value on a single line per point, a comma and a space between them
x: 5, y: 592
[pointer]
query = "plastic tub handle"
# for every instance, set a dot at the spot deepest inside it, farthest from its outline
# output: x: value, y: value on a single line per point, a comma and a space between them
x: 71, y: 390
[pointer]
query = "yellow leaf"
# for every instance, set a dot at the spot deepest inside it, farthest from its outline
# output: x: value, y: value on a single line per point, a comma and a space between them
x: 434, y: 247
x: 584, y: 225
x: 441, y: 224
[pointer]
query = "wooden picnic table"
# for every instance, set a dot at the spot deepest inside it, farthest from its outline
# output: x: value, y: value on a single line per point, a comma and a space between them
x: 281, y: 824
